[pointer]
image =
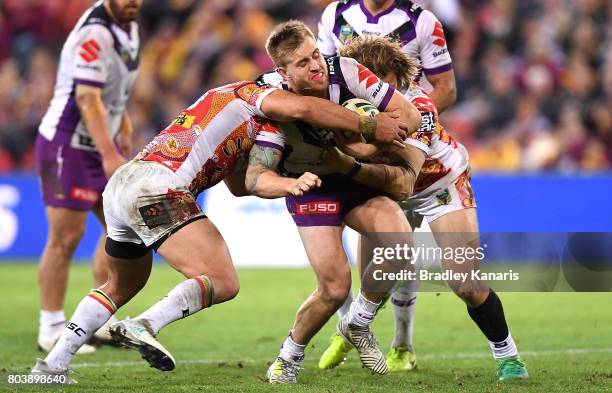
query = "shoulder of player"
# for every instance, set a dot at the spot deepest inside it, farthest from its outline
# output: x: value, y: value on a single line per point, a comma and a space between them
x: 420, y: 99
x: 97, y: 17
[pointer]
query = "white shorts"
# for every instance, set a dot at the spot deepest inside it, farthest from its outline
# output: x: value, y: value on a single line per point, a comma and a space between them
x: 449, y: 194
x: 144, y: 204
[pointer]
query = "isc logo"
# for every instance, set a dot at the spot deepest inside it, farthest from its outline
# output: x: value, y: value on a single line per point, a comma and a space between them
x: 76, y: 329
x: 325, y: 207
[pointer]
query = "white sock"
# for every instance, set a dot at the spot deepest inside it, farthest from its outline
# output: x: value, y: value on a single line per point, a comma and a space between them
x: 91, y: 313
x: 292, y: 351
x: 51, y: 322
x: 404, y: 309
x: 346, y: 306
x: 185, y: 299
x: 504, y: 348
x: 362, y: 311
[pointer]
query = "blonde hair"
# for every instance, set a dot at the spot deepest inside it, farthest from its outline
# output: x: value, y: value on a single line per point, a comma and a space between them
x: 285, y: 39
x: 382, y: 56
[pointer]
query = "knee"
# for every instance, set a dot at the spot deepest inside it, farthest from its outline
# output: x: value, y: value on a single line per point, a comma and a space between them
x: 334, y: 293
x: 227, y: 290
x: 471, y: 296
x: 66, y: 240
x: 120, y: 294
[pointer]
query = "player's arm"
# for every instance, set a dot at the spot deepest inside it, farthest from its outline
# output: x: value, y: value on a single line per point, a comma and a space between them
x: 436, y: 60
x: 235, y: 180
x: 286, y: 107
x: 444, y: 91
x: 93, y: 113
x: 408, y: 113
x: 125, y: 137
x: 354, y: 145
x: 396, y: 181
x: 263, y: 180
x: 364, y: 84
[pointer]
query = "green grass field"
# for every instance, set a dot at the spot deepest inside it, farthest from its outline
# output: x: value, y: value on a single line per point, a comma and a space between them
x: 565, y: 338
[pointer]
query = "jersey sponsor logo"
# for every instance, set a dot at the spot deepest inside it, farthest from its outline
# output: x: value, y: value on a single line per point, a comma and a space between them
x: 184, y: 120
x: 378, y: 88
x: 322, y: 207
x: 440, y: 52
x: 84, y: 194
x: 330, y: 66
x: 366, y: 75
x: 428, y: 123
x: 90, y: 50
x: 438, y: 35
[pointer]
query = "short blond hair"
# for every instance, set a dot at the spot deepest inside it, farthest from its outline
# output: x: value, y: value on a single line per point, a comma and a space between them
x: 382, y: 56
x: 285, y: 39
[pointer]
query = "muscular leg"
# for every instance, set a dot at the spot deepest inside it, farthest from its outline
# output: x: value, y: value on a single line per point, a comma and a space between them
x: 382, y: 216
x: 66, y: 227
x: 483, y: 305
x: 327, y: 257
x: 100, y: 273
x: 125, y: 279
x: 199, y: 252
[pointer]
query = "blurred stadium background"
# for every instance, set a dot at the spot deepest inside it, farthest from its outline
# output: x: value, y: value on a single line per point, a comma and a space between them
x: 534, y: 77
x: 534, y: 109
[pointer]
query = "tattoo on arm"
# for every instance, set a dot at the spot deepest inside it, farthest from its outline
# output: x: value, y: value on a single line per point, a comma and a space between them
x: 261, y: 160
x: 264, y: 156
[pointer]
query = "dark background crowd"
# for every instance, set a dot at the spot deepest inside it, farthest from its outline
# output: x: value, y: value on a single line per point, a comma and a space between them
x: 534, y: 77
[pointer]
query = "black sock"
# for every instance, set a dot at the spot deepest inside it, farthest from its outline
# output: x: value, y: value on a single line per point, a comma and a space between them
x: 489, y: 317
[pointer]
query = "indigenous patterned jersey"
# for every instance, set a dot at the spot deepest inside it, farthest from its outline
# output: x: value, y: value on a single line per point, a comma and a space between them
x: 205, y: 141
x: 444, y: 155
x: 420, y: 32
x: 304, y: 143
x: 99, y: 53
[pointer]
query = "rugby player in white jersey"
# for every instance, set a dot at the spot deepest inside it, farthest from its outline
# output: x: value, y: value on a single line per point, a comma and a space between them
x: 321, y: 214
x: 150, y: 204
x: 84, y: 137
x: 442, y: 195
x: 422, y: 37
x: 420, y: 32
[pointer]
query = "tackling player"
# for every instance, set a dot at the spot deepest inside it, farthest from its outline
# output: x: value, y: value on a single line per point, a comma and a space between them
x: 321, y: 214
x: 76, y: 147
x: 149, y: 204
x: 442, y: 195
x: 422, y: 37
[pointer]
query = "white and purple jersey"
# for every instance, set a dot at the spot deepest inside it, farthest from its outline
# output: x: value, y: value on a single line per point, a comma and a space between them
x: 419, y: 31
x: 303, y: 142
x: 99, y: 53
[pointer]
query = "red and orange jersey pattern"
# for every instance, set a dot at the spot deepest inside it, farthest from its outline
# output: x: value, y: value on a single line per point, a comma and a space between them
x: 204, y: 142
x: 443, y: 153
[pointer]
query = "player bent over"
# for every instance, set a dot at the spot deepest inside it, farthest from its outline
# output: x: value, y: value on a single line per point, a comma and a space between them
x: 302, y: 69
x: 150, y: 204
x: 442, y: 195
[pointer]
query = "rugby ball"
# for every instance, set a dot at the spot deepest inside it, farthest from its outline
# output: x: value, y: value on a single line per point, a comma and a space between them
x: 361, y: 106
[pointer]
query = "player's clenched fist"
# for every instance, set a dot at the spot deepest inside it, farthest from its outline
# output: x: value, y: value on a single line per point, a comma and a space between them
x: 304, y: 183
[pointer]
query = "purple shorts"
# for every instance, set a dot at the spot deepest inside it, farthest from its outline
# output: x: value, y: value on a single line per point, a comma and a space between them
x: 328, y: 205
x: 69, y: 177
